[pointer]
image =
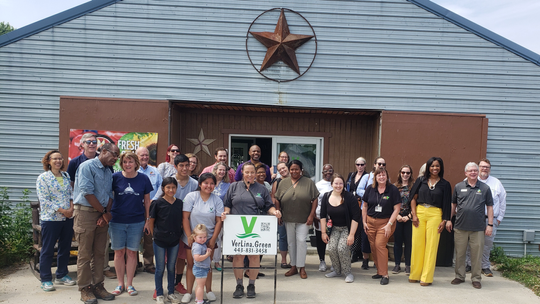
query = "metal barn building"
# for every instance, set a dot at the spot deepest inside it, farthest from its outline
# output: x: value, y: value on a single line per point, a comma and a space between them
x: 406, y: 79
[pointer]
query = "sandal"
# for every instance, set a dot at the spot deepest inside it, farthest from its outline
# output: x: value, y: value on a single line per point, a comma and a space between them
x: 131, y: 291
x: 118, y: 290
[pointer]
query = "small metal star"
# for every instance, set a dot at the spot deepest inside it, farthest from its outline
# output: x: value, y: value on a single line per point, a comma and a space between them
x: 201, y: 143
x: 281, y: 44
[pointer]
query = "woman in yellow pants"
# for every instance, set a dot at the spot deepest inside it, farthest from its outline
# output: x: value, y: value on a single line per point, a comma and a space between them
x: 430, y: 207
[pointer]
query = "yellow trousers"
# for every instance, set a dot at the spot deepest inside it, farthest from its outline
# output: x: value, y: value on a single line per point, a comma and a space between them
x: 425, y: 242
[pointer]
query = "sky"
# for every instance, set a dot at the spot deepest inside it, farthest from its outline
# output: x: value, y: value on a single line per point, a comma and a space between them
x: 516, y: 20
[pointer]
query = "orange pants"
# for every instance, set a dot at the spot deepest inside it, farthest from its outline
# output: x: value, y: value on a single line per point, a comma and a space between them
x: 378, y: 242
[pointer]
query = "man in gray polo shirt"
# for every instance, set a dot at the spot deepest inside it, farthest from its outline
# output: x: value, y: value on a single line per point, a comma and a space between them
x: 471, y: 197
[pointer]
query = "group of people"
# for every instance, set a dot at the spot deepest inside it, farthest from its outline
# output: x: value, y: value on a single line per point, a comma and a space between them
x: 179, y: 215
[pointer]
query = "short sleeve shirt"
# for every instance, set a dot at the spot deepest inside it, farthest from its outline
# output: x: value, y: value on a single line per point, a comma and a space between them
x: 202, y: 212
x: 181, y: 192
x: 240, y: 201
x: 168, y: 222
x: 200, y: 249
x: 296, y: 201
x: 386, y: 200
x: 128, y: 204
x: 471, y: 203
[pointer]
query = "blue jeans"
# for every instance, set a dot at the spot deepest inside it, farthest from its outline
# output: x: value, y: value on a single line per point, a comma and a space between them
x: 159, y: 254
x: 52, y: 231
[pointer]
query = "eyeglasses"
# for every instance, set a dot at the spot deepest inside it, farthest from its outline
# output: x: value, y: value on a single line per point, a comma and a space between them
x: 485, y: 167
x: 90, y: 142
x: 175, y: 151
x: 328, y: 171
x: 192, y: 162
x: 361, y: 165
x: 381, y: 164
x: 405, y: 172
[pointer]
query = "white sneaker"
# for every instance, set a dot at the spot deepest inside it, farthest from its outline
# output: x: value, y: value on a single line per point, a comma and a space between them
x: 186, y: 298
x: 349, y: 278
x: 173, y: 298
x: 332, y: 268
x: 322, y: 266
x: 332, y: 274
x: 160, y: 300
x: 210, y: 296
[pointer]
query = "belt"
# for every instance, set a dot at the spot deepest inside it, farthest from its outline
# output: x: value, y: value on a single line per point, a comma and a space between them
x: 426, y: 205
x: 84, y: 208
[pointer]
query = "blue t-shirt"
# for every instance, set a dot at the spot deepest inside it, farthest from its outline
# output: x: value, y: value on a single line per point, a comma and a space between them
x: 128, y: 204
x: 197, y: 248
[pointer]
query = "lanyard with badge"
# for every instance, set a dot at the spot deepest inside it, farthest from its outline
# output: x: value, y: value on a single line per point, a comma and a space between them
x: 378, y: 208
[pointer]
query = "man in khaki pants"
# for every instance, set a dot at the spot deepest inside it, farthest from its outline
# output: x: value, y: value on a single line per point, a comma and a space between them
x: 93, y: 199
x: 471, y: 197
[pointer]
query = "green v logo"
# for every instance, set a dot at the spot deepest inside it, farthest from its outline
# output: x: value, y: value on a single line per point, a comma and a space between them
x: 248, y: 229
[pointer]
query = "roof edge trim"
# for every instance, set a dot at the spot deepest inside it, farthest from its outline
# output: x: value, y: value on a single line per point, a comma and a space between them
x: 478, y: 30
x: 54, y: 20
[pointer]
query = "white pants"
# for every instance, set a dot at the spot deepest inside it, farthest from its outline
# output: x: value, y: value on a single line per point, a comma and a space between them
x: 296, y: 239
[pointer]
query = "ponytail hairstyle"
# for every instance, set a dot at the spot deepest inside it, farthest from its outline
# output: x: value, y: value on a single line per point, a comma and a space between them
x: 200, y: 228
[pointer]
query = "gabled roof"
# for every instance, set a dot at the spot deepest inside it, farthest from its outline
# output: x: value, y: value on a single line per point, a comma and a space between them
x: 54, y: 20
x: 438, y: 10
x: 478, y: 30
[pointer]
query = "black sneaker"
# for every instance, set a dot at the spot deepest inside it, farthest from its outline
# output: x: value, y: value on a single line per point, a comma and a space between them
x: 385, y: 280
x: 468, y: 269
x: 487, y: 272
x: 239, y: 292
x: 250, y: 291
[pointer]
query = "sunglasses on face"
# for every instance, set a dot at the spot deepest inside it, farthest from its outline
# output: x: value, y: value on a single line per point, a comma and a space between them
x: 361, y: 165
x: 406, y: 173
x: 175, y: 151
x: 91, y: 142
x: 381, y: 164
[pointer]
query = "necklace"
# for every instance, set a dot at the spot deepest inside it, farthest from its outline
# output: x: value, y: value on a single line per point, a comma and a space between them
x: 432, y: 186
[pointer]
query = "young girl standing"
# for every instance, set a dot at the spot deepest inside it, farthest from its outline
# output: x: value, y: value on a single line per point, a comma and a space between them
x: 165, y: 223
x: 201, y: 257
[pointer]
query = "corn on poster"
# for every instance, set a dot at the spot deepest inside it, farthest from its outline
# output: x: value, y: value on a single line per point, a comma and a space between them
x: 126, y: 141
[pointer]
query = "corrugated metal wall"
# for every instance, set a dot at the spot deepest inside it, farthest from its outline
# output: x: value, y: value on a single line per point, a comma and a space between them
x: 371, y: 55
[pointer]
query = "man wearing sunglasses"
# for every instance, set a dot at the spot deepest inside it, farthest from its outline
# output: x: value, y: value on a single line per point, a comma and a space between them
x: 89, y: 146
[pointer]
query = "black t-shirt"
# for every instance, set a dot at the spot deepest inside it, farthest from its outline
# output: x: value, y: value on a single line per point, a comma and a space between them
x: 386, y: 200
x: 338, y: 215
x: 168, y: 222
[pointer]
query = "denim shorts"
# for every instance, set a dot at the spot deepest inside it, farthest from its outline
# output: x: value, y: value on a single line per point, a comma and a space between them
x: 126, y: 235
x: 199, y: 272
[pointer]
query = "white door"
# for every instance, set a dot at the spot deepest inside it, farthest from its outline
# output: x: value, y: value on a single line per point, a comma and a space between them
x: 306, y: 149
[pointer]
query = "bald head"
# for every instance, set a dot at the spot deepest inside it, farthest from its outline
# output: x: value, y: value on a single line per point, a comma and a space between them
x: 144, y: 155
x: 255, y: 153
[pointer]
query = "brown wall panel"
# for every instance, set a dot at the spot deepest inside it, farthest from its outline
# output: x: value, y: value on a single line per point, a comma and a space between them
x: 115, y: 114
x: 341, y: 132
x: 412, y: 138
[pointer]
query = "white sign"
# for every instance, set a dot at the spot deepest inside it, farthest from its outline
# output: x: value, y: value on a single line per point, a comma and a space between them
x: 250, y: 235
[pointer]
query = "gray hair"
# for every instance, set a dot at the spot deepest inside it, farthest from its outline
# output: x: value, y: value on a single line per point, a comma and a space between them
x: 471, y: 164
x: 87, y: 136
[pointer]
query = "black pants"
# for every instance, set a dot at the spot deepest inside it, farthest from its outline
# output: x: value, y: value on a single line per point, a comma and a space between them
x: 403, y: 234
x: 321, y: 246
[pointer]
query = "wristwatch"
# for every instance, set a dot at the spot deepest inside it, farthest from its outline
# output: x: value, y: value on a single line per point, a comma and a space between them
x: 104, y: 211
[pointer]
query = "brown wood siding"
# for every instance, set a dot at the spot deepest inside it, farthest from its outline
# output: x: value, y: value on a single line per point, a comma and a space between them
x: 412, y: 138
x: 346, y: 137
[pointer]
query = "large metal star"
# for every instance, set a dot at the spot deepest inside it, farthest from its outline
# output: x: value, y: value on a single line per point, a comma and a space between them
x: 281, y: 44
x: 201, y: 143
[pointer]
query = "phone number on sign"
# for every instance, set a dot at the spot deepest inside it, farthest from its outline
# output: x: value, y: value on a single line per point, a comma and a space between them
x: 250, y: 250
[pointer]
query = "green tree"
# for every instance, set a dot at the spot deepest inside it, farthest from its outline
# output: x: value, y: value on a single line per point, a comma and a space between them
x: 5, y: 28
